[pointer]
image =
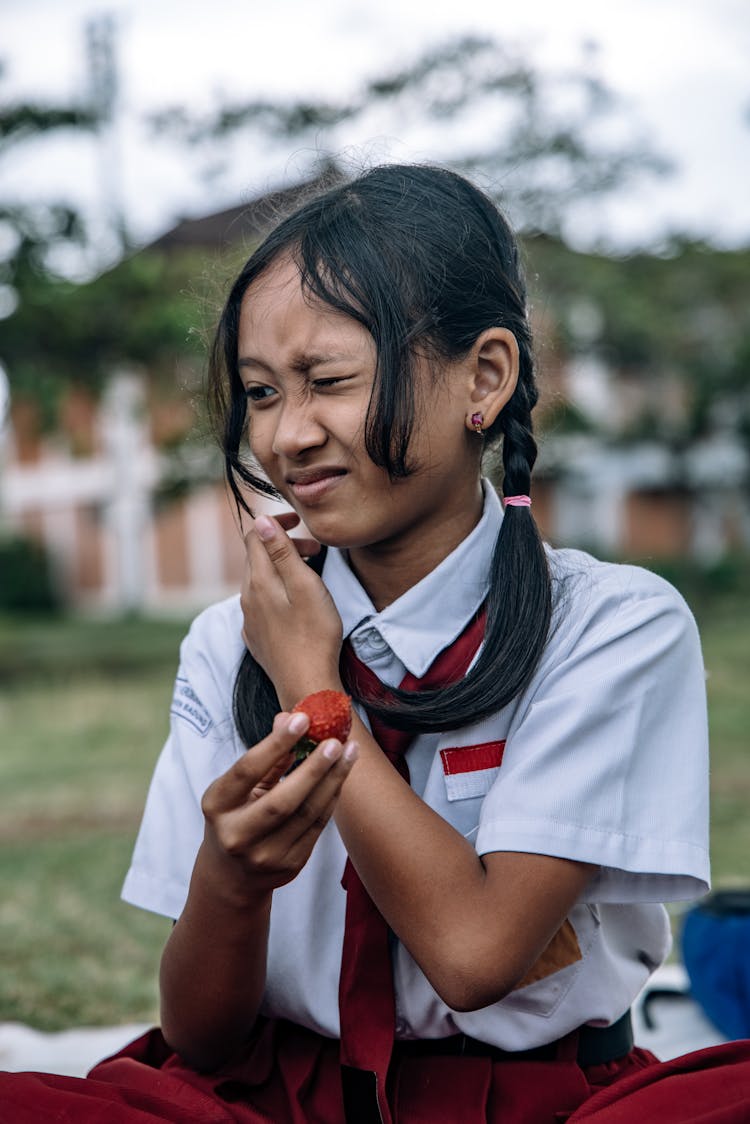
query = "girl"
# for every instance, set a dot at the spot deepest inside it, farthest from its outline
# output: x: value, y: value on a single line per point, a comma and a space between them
x: 448, y: 917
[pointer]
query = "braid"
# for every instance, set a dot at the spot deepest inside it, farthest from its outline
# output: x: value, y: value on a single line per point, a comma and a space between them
x: 519, y: 446
x: 519, y: 602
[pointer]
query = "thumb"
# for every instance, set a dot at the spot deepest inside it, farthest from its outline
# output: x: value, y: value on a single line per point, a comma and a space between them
x: 279, y: 548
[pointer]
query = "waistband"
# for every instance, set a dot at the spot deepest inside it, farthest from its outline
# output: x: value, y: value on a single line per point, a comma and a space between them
x: 596, y: 1045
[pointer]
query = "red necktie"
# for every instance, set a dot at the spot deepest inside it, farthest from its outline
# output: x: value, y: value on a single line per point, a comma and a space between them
x: 367, y: 1004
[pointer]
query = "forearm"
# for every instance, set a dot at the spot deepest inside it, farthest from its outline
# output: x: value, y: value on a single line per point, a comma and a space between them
x: 474, y: 926
x: 394, y: 840
x: 392, y: 837
x: 213, y: 971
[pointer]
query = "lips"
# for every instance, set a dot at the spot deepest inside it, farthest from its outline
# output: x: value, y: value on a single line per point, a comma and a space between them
x: 312, y: 475
x: 315, y: 483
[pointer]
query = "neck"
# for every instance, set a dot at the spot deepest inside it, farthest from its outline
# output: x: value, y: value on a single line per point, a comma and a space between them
x: 386, y: 570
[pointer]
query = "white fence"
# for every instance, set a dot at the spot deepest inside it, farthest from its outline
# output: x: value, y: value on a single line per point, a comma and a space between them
x: 116, y: 547
x: 596, y: 486
x: 99, y: 521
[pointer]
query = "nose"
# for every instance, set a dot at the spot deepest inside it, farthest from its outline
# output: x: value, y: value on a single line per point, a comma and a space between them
x: 297, y: 429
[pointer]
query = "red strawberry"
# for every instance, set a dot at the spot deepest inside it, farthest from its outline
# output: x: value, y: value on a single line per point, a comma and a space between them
x: 330, y: 715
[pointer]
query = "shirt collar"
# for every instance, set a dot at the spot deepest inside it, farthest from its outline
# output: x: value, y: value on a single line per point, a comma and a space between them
x: 429, y: 616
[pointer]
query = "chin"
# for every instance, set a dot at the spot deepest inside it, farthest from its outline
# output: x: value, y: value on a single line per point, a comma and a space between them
x: 340, y: 541
x: 340, y: 537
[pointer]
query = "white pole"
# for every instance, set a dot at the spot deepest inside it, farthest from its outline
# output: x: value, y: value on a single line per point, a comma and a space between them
x: 128, y: 507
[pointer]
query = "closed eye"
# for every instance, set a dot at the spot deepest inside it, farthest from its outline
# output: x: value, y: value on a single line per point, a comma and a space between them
x: 327, y: 384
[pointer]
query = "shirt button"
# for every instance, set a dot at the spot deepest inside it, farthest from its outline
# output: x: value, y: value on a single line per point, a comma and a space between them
x: 401, y: 1027
x: 376, y: 641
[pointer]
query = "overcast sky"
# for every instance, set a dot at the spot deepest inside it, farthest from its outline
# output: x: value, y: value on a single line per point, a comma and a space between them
x: 681, y: 65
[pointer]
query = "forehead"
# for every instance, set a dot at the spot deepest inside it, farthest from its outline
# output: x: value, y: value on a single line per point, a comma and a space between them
x: 279, y: 319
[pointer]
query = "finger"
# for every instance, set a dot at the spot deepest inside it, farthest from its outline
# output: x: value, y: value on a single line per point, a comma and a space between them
x: 306, y: 548
x: 304, y: 544
x: 261, y: 579
x: 246, y: 571
x: 273, y: 753
x: 314, y: 812
x: 275, y: 830
x: 290, y: 808
x: 299, y: 850
x: 281, y: 552
x: 260, y: 571
x: 278, y: 770
x: 287, y: 519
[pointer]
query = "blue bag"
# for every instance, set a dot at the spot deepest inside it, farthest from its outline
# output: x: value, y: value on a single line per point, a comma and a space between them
x: 716, y: 954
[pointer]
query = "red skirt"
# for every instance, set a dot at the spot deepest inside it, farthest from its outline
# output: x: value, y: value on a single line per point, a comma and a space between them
x: 291, y: 1076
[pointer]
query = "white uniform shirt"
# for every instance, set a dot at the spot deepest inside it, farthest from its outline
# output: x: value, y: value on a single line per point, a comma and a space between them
x: 603, y: 759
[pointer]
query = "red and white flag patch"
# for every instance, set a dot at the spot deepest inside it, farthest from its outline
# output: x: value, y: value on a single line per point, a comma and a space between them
x: 470, y: 770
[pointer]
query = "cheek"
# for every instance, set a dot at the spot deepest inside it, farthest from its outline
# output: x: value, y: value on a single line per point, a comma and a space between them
x: 259, y: 435
x: 344, y: 425
x: 260, y: 442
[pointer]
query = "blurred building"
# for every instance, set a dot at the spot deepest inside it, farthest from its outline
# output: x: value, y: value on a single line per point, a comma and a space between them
x: 130, y: 525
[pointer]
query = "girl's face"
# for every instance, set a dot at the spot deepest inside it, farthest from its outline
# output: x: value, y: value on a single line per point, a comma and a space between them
x: 308, y: 373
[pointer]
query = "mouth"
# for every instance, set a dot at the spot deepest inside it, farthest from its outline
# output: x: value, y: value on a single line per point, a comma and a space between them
x: 314, y: 483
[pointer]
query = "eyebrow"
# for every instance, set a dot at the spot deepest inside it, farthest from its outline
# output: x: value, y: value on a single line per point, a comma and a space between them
x: 301, y: 361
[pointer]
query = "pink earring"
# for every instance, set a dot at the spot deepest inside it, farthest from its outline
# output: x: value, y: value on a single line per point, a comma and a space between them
x: 477, y: 421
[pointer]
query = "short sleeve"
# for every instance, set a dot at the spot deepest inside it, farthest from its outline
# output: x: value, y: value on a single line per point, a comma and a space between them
x: 202, y: 744
x: 607, y: 762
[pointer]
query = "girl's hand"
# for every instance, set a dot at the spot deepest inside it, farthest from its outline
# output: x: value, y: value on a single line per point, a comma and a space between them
x: 259, y: 831
x: 305, y: 545
x: 291, y: 624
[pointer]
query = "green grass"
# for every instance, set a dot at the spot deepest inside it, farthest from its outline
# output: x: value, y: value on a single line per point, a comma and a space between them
x: 725, y: 629
x: 57, y: 649
x: 82, y: 726
x: 83, y: 714
x: 72, y: 953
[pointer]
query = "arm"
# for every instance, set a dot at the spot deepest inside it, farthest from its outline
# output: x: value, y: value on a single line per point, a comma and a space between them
x: 473, y: 925
x: 258, y: 836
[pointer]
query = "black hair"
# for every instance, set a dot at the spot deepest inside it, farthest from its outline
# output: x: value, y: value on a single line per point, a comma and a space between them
x: 426, y: 262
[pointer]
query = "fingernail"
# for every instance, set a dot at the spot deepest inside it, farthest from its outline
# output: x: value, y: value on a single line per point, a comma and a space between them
x: 298, y: 723
x: 351, y: 751
x: 331, y: 750
x: 265, y: 527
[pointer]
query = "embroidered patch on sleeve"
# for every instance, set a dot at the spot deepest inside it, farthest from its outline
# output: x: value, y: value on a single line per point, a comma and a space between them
x: 471, y: 769
x: 187, y: 705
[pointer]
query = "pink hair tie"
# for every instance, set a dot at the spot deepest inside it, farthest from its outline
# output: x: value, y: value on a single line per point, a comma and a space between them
x: 517, y: 501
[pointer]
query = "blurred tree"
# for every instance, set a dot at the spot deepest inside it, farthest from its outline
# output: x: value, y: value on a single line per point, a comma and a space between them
x: 142, y: 313
x: 680, y: 317
x: 55, y: 333
x: 504, y: 120
x: 540, y: 141
x: 28, y: 231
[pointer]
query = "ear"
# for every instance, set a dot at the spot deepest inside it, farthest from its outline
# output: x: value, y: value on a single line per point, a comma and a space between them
x: 493, y: 373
